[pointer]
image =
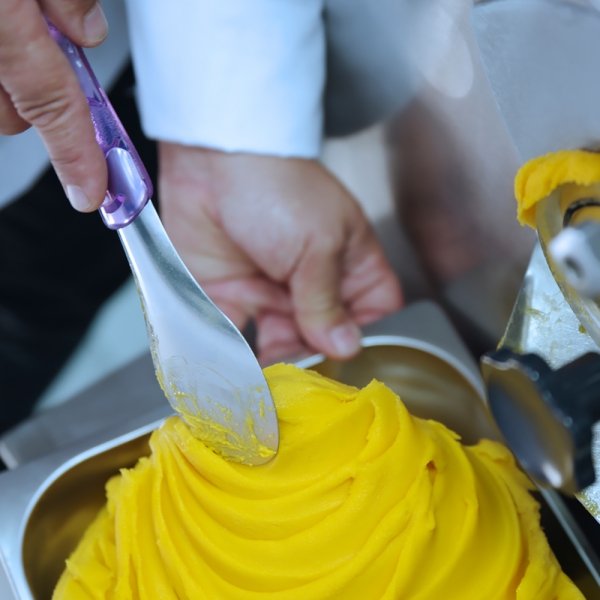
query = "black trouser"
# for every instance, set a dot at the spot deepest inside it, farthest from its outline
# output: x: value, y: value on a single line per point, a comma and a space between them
x: 57, y: 266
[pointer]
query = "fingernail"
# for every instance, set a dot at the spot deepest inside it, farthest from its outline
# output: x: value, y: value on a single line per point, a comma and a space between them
x: 95, y: 26
x: 79, y: 201
x: 345, y: 339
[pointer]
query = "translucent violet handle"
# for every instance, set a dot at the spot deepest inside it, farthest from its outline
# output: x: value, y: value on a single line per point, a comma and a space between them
x: 129, y: 186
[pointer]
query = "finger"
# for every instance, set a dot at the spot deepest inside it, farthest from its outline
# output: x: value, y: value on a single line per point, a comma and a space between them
x: 322, y: 318
x: 10, y: 121
x: 370, y: 288
x: 278, y: 338
x: 82, y: 21
x: 250, y: 295
x: 46, y: 94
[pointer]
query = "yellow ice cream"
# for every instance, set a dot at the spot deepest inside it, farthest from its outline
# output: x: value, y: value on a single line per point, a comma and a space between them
x: 539, y: 177
x: 363, y: 501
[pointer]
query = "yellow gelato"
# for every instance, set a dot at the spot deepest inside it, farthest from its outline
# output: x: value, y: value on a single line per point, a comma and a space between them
x: 539, y: 177
x: 363, y: 501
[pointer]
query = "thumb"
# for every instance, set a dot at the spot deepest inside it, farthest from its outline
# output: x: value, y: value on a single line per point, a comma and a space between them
x: 82, y: 21
x: 45, y: 92
x: 322, y: 318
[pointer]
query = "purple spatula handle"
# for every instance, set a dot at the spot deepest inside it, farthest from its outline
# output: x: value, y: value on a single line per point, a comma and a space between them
x: 129, y: 186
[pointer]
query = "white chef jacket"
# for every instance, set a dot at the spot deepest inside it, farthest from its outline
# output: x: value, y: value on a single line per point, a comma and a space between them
x: 237, y: 75
x: 264, y: 75
x: 260, y: 76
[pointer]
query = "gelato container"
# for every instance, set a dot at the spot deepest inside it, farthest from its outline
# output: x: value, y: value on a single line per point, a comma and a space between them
x: 47, y: 502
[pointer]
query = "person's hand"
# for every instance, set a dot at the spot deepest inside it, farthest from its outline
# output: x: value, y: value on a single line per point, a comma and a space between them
x: 280, y: 240
x: 38, y: 88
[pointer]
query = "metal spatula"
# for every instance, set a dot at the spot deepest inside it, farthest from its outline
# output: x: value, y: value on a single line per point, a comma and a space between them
x: 204, y: 365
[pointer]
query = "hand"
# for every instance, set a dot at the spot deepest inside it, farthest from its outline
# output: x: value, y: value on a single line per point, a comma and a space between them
x: 280, y: 240
x: 38, y: 88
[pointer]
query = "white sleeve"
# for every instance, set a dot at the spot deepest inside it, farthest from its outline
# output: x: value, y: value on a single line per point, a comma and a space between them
x: 235, y: 75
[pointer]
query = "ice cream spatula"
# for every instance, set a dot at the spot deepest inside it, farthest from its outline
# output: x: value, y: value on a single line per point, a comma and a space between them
x: 203, y: 364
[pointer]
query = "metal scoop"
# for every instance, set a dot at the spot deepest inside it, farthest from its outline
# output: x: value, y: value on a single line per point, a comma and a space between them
x: 203, y: 363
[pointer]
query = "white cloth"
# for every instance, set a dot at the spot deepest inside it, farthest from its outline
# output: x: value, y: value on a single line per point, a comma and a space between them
x: 236, y: 75
x: 23, y: 157
x: 270, y: 76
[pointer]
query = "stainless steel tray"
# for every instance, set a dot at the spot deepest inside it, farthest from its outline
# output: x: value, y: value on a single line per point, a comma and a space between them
x: 47, y: 502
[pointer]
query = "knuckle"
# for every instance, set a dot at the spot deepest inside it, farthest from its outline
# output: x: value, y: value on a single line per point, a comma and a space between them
x: 327, y: 244
x: 55, y: 116
x: 47, y: 112
x: 67, y: 159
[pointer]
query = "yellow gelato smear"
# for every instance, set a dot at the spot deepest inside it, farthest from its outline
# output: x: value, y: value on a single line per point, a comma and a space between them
x: 363, y: 501
x: 539, y: 177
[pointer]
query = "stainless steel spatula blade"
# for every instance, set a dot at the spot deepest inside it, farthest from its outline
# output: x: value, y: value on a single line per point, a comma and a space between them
x: 542, y: 59
x: 204, y: 365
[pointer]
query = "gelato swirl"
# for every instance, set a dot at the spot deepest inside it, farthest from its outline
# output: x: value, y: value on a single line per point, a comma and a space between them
x: 575, y: 170
x: 363, y: 501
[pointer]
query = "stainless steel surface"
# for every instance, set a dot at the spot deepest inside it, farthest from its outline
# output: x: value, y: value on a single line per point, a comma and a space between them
x: 547, y: 416
x: 549, y: 222
x: 542, y: 322
x: 558, y: 507
x: 576, y: 253
x: 540, y: 439
x: 541, y: 59
x: 46, y: 504
x: 578, y: 310
x: 454, y: 165
x: 122, y: 402
x: 7, y: 591
x: 203, y: 363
